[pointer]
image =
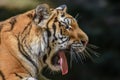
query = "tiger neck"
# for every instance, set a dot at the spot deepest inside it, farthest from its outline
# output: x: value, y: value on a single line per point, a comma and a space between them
x: 34, y: 47
x: 28, y: 47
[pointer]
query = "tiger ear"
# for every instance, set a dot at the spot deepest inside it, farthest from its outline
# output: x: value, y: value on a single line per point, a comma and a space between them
x: 41, y: 13
x: 62, y: 7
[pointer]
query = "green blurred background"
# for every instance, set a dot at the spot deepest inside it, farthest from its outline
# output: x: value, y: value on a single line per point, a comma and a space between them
x: 100, y: 19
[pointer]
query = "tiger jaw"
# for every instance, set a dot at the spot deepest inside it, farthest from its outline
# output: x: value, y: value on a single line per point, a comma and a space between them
x: 58, y: 61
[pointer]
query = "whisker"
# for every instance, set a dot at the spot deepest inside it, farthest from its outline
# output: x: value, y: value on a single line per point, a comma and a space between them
x: 80, y: 58
x: 52, y: 72
x: 92, y: 51
x: 83, y: 55
x: 77, y: 15
x: 88, y: 55
x: 74, y: 55
x: 92, y: 46
x: 47, y: 69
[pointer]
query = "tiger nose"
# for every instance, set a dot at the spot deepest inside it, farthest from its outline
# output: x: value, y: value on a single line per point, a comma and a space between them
x: 81, y: 43
x: 83, y: 39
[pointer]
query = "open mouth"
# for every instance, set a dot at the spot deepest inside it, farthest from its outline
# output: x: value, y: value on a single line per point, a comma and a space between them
x: 60, y: 60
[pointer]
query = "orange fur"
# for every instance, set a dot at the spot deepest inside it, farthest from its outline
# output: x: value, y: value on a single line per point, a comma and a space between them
x: 24, y: 43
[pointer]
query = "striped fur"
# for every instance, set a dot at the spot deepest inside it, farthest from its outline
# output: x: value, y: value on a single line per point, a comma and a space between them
x: 29, y: 41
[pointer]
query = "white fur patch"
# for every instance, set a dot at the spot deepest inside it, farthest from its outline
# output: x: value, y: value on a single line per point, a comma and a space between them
x: 59, y: 8
x: 61, y: 19
x: 29, y: 78
x: 39, y: 44
x: 35, y: 46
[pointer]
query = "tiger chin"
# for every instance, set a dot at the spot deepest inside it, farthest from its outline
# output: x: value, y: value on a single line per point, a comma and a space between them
x: 36, y: 39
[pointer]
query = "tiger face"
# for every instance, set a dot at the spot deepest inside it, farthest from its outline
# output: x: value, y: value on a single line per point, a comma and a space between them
x: 63, y: 34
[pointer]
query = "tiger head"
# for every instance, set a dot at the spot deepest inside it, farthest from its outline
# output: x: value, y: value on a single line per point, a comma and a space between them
x: 61, y: 32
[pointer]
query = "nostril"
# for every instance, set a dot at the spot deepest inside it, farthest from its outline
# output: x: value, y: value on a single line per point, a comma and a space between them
x: 84, y: 43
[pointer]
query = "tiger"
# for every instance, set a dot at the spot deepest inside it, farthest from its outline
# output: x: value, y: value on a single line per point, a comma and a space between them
x: 37, y: 39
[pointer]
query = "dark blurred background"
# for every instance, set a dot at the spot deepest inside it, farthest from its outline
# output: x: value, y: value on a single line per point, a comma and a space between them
x: 100, y: 19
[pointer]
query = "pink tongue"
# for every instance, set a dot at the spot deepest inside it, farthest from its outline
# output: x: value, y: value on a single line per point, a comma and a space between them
x: 63, y: 63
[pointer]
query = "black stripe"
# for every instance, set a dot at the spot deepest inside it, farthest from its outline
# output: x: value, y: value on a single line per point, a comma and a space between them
x: 12, y: 22
x: 48, y: 32
x: 18, y: 75
x: 30, y: 16
x: 2, y: 75
x: 49, y: 50
x: 20, y: 63
x: 27, y: 46
x: 26, y: 27
x: 60, y: 24
x: 54, y: 30
x: 48, y: 35
x: 1, y: 26
x: 64, y: 41
x: 28, y: 57
x: 67, y: 20
x: 24, y: 53
x: 26, y: 32
x: 66, y: 25
x: 63, y: 15
x: 44, y: 39
x: 49, y: 21
x: 44, y: 58
x: 48, y: 46
x: 55, y: 20
x: 61, y: 32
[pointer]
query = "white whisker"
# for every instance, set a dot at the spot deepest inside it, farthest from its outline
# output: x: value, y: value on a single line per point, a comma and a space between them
x: 74, y: 55
x: 88, y: 55
x: 51, y: 72
x: 82, y: 54
x: 47, y: 69
x: 80, y: 57
x: 77, y: 15
x: 92, y: 46
x: 92, y: 51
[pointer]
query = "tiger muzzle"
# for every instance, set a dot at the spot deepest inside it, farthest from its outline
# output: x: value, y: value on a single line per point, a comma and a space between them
x: 79, y: 45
